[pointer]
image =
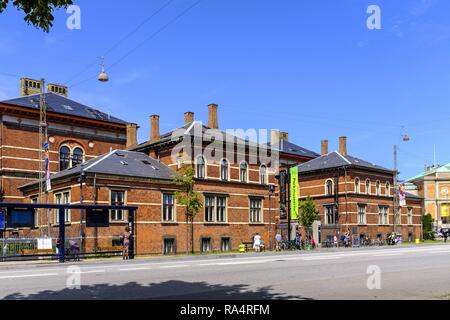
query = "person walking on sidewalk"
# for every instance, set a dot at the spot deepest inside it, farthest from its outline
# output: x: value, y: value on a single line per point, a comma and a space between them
x: 278, y: 239
x: 257, y: 242
x: 126, y: 243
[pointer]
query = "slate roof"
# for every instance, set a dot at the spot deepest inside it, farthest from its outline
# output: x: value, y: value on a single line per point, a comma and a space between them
x: 119, y: 163
x: 60, y: 104
x: 197, y: 127
x: 291, y: 148
x: 336, y: 160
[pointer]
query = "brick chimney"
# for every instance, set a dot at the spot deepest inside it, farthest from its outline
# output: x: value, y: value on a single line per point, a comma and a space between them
x: 324, y: 144
x: 275, y: 137
x: 154, y: 128
x: 213, y: 120
x: 188, y: 117
x: 132, y: 129
x: 284, y: 136
x: 343, y: 146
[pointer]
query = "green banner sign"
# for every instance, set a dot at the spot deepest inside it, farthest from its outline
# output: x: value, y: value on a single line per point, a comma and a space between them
x: 294, y: 193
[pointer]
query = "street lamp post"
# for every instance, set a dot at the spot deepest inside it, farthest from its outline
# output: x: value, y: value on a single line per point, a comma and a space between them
x: 405, y: 138
x: 271, y: 192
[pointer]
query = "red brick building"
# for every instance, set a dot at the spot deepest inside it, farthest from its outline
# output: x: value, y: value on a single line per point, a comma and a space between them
x: 76, y: 133
x: 356, y: 195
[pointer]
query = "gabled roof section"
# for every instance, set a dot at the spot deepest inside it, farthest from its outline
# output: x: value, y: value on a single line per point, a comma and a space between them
x: 337, y: 160
x: 60, y: 104
x: 438, y: 169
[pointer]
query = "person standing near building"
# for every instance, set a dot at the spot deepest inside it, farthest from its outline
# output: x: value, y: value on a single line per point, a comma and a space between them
x: 257, y: 242
x: 278, y: 239
x: 126, y: 243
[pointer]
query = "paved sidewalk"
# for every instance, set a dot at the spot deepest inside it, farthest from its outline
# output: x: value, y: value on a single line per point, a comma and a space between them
x: 158, y: 258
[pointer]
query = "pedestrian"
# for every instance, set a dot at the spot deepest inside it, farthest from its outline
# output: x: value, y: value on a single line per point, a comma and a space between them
x: 445, y: 233
x: 257, y: 242
x: 126, y: 243
x: 313, y: 243
x: 336, y: 243
x: 347, y: 239
x: 278, y: 239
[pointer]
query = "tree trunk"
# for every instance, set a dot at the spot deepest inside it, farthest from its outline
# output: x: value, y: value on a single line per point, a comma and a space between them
x: 192, y: 234
x: 187, y: 234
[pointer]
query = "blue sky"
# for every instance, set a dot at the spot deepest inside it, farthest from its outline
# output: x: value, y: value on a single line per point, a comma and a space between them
x: 311, y: 68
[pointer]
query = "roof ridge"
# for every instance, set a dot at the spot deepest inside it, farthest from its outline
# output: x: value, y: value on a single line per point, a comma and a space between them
x: 345, y: 159
x: 100, y: 160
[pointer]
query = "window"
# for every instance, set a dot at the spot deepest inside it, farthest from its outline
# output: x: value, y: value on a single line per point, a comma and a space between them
x: 329, y: 188
x: 367, y: 186
x: 362, y: 214
x: 410, y: 216
x: 63, y: 198
x: 243, y: 172
x: 206, y: 244
x: 378, y: 188
x: 201, y: 174
x: 64, y: 158
x: 224, y: 170
x: 357, y: 185
x: 117, y: 199
x: 330, y: 215
x: 383, y: 215
x: 225, y: 245
x: 398, y: 217
x: 169, y: 246
x: 68, y: 159
x: 215, y: 209
x: 388, y: 189
x: 168, y: 208
x: 77, y: 157
x: 263, y: 174
x: 255, y: 210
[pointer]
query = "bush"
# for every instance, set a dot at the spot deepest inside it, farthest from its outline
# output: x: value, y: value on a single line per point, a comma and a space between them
x: 429, y: 235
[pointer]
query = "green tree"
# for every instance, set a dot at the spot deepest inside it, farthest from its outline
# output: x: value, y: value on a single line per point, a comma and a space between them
x: 189, y: 198
x: 39, y: 13
x: 308, y: 213
x: 427, y: 223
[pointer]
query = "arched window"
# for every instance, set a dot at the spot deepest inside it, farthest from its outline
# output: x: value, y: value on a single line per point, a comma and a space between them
x: 64, y: 158
x: 367, y: 186
x: 77, y: 156
x: 357, y: 185
x: 201, y: 174
x: 263, y: 174
x: 243, y: 172
x: 329, y: 188
x: 388, y: 189
x: 378, y: 188
x: 224, y: 170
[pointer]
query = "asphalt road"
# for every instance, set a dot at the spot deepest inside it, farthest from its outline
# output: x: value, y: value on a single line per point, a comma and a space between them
x: 404, y: 273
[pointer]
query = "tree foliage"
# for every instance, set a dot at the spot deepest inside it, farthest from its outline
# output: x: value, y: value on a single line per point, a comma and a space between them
x: 308, y: 213
x: 188, y: 197
x: 39, y: 13
x: 427, y: 222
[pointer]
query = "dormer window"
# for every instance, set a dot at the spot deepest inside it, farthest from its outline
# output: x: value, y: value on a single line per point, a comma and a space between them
x: 70, y: 158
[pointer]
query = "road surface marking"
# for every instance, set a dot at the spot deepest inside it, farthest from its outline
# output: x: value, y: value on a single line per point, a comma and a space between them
x: 134, y: 269
x: 438, y: 252
x: 387, y: 254
x: 320, y: 258
x: 30, y: 276
x: 92, y: 271
x: 173, y: 267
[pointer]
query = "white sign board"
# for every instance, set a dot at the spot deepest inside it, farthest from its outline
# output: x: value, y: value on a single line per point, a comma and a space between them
x: 45, y: 244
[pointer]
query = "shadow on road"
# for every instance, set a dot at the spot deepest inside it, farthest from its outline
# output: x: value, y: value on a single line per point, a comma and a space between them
x: 170, y: 290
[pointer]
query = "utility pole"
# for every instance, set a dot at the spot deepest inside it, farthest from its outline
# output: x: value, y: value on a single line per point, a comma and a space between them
x: 395, y: 188
x: 43, y: 137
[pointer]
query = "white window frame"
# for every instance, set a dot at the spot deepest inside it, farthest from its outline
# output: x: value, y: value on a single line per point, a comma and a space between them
x: 364, y: 214
x: 246, y: 173
x: 410, y: 216
x: 67, y: 213
x: 357, y: 185
x: 261, y: 211
x: 205, y: 168
x: 214, y: 207
x: 124, y: 219
x: 368, y: 187
x: 388, y: 189
x: 163, y: 213
x: 228, y: 170
x: 266, y: 175
x: 378, y: 188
